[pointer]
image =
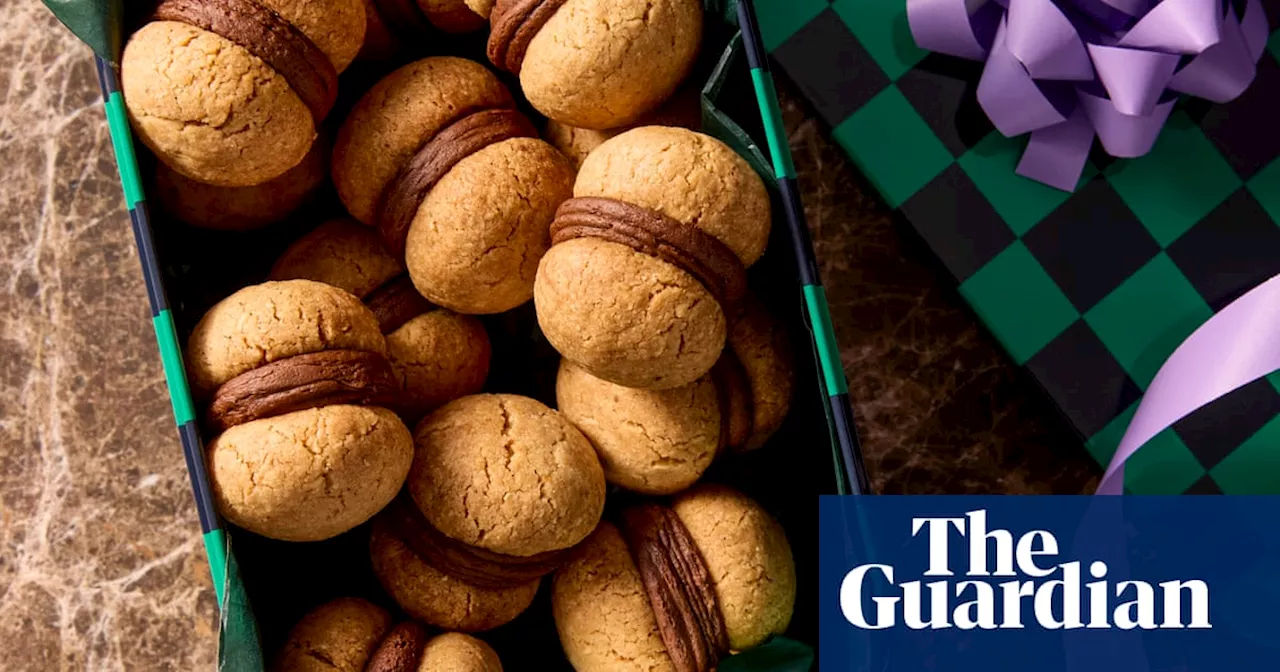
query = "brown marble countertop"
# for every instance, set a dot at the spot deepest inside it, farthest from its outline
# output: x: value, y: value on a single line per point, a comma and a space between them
x: 101, y: 565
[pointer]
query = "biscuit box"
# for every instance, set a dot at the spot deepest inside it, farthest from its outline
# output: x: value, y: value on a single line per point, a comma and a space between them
x: 265, y: 586
x: 1089, y: 291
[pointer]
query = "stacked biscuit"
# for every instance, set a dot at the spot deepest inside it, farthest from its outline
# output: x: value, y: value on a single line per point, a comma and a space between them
x: 630, y: 234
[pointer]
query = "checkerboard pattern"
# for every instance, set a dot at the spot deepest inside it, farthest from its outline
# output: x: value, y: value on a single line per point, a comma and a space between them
x: 1090, y: 291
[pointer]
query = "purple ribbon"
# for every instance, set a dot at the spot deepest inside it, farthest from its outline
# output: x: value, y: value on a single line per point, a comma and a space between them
x: 1234, y: 348
x: 1066, y: 70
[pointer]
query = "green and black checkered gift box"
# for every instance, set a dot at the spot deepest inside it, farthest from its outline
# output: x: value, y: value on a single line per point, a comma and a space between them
x: 1090, y: 291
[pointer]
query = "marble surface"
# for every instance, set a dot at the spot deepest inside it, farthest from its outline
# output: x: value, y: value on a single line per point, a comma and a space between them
x: 100, y: 561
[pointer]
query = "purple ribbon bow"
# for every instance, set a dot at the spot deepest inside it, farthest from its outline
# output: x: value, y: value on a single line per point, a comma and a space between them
x: 1064, y: 70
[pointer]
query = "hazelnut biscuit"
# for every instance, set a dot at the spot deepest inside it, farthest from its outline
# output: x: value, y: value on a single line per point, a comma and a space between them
x: 648, y: 259
x: 456, y: 181
x: 596, y: 63
x: 505, y: 474
x: 656, y: 442
x: 230, y: 92
x: 298, y: 386
x: 501, y: 488
x: 675, y: 587
x: 352, y: 635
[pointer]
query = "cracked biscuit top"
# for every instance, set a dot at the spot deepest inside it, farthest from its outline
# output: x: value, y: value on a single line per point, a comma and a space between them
x: 341, y: 253
x: 275, y: 320
x: 676, y: 587
x: 649, y: 309
x: 298, y: 380
x: 230, y: 92
x: 596, y: 63
x: 650, y: 441
x: 456, y: 181
x: 506, y: 474
x: 312, y: 474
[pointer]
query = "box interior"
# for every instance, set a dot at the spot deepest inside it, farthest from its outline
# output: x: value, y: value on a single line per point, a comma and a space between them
x: 284, y: 580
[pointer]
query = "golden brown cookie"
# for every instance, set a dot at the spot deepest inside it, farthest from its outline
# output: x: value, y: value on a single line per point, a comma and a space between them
x: 230, y: 92
x: 506, y: 474
x: 476, y: 240
x: 436, y: 157
x: 297, y: 380
x: 596, y: 63
x: 456, y: 652
x: 351, y: 635
x: 676, y: 588
x: 637, y: 284
x: 760, y: 350
x: 242, y: 208
x: 502, y: 487
x: 342, y: 253
x: 335, y: 26
x: 602, y: 611
x: 747, y: 553
x: 275, y: 320
x: 437, y: 354
x: 683, y: 109
x: 649, y: 441
x: 337, y: 636
x: 390, y: 123
x: 312, y: 474
x: 436, y: 598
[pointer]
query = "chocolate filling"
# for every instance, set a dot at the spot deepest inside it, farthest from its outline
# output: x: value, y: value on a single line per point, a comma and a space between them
x: 302, y: 382
x: 679, y: 587
x: 476, y: 566
x: 405, y: 18
x: 733, y: 392
x: 513, y: 25
x: 400, y: 650
x: 464, y: 137
x: 268, y: 36
x: 701, y: 255
x: 397, y: 301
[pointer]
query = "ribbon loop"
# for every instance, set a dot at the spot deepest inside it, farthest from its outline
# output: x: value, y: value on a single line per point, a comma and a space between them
x: 1177, y: 26
x: 1015, y: 102
x: 1046, y: 43
x: 1055, y: 67
x: 1234, y: 348
x: 1133, y: 78
x: 1223, y: 71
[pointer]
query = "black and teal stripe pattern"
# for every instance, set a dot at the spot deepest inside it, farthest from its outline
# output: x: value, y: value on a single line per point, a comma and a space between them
x: 851, y: 468
x: 162, y: 319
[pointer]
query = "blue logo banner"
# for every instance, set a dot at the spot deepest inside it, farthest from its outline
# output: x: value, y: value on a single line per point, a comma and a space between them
x: 1050, y: 584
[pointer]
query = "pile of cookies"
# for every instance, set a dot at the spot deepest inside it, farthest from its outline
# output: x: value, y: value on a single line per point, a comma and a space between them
x: 349, y: 387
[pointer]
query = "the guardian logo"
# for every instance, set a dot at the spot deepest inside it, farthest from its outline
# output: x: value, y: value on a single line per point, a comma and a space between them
x: 1039, y: 589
